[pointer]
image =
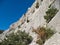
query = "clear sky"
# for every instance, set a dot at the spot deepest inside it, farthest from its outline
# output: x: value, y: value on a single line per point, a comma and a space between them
x: 11, y: 11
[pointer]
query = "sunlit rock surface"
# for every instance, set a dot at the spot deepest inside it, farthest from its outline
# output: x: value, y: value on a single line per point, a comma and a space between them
x: 34, y: 18
x: 55, y: 22
x: 54, y: 40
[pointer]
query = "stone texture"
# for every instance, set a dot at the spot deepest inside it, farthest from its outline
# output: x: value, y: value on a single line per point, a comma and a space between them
x: 54, y: 40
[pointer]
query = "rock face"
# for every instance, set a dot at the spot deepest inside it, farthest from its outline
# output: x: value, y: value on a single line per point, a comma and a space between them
x: 55, y: 22
x: 33, y: 19
x: 57, y: 4
x: 54, y: 40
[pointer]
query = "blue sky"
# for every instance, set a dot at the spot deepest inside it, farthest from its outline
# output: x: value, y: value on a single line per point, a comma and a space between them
x: 11, y: 11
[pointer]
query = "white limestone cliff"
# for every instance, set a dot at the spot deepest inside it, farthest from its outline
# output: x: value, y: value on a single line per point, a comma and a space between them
x: 34, y: 18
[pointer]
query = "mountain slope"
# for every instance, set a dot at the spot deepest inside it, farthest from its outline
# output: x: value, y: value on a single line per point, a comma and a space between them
x: 33, y: 23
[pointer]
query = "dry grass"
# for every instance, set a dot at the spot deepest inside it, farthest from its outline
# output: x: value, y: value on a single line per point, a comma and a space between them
x: 43, y: 34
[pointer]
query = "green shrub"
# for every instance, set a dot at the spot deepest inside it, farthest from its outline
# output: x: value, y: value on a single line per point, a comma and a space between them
x: 50, y: 14
x: 49, y: 33
x: 20, y: 38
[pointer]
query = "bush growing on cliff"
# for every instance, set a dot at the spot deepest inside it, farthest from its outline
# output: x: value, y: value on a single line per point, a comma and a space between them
x: 20, y: 38
x: 50, y: 14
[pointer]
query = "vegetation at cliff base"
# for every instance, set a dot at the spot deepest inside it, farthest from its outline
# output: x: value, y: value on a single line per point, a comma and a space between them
x: 20, y: 38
